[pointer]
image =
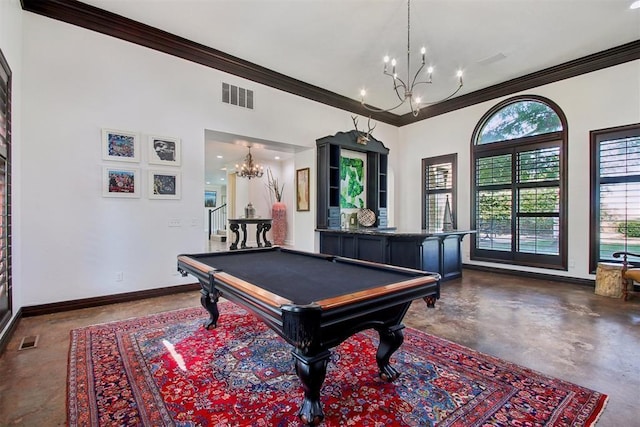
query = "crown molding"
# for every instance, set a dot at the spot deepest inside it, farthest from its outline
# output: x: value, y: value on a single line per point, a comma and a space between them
x: 92, y: 18
x: 587, y: 64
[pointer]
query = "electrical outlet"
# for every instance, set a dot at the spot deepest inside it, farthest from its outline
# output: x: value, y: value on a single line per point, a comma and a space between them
x: 175, y: 222
x: 119, y: 276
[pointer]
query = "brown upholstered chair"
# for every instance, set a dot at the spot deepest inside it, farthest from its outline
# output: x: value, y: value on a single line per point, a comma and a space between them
x: 629, y: 274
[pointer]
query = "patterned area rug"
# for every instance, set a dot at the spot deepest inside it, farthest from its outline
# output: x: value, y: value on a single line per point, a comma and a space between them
x: 167, y: 370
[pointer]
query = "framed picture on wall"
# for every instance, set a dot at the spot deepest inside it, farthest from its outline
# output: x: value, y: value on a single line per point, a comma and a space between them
x: 164, y: 150
x: 302, y: 189
x: 120, y: 145
x: 210, y: 199
x: 120, y: 182
x: 164, y: 184
x: 353, y: 183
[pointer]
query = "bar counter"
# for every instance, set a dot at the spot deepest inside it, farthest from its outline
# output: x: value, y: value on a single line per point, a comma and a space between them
x: 430, y: 250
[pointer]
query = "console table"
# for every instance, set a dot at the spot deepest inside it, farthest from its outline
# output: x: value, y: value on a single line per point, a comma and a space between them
x: 437, y: 251
x: 262, y: 226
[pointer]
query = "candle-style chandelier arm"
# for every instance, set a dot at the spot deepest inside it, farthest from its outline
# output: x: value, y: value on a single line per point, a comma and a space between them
x: 380, y: 110
x: 405, y: 91
x: 414, y: 83
x: 460, y: 84
x: 397, y: 84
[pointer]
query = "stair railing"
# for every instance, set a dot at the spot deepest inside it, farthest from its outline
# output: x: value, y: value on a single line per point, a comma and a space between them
x: 217, y: 219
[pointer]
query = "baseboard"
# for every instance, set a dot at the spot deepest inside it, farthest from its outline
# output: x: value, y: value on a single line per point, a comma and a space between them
x: 531, y: 275
x: 9, y: 330
x: 56, y: 307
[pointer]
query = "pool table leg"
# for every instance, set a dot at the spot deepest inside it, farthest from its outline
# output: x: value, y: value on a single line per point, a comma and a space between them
x: 209, y: 301
x: 390, y: 340
x: 431, y: 301
x: 311, y: 371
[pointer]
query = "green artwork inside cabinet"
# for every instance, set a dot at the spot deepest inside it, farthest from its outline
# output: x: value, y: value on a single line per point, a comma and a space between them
x: 352, y: 180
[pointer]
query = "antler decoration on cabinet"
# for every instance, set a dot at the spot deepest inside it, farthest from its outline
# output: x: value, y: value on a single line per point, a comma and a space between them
x: 362, y: 137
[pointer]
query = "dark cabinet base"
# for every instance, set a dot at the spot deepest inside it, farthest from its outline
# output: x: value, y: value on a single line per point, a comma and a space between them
x: 436, y: 252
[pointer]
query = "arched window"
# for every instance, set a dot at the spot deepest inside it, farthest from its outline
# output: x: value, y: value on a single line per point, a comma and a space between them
x: 519, y: 184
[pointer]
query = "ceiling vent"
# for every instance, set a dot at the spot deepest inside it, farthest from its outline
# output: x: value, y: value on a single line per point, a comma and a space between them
x: 235, y: 95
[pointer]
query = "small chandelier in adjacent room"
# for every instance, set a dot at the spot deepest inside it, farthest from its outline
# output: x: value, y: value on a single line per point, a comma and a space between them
x: 249, y: 169
x: 405, y: 90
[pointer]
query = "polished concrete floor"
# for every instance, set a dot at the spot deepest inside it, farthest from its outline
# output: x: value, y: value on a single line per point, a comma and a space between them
x: 559, y: 329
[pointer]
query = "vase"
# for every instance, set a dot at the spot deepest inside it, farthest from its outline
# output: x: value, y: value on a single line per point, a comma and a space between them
x: 447, y: 220
x: 279, y: 223
x: 249, y: 211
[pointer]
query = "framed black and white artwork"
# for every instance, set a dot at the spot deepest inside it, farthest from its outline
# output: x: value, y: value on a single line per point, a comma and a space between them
x: 164, y: 150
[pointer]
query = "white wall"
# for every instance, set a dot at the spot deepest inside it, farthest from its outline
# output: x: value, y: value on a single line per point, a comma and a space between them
x: 70, y: 242
x: 304, y: 222
x: 76, y: 82
x: 602, y: 99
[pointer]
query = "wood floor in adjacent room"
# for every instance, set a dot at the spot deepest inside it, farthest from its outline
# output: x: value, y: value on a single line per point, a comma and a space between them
x: 559, y: 329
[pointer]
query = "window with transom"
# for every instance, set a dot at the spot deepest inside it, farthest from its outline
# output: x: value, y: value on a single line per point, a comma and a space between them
x: 519, y: 184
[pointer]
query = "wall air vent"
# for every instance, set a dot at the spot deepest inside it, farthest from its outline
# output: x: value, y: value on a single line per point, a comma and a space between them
x: 236, y: 95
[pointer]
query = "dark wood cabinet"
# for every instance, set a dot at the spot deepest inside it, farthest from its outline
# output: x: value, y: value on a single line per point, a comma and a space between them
x: 439, y: 252
x: 329, y: 151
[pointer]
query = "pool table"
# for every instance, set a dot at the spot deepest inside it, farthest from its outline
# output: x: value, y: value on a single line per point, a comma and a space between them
x: 314, y: 302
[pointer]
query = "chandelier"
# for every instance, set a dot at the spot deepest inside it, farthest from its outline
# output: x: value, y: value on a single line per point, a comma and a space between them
x: 249, y: 169
x: 405, y: 89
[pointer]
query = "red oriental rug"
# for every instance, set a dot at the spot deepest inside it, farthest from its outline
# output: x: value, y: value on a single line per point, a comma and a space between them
x: 167, y: 370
